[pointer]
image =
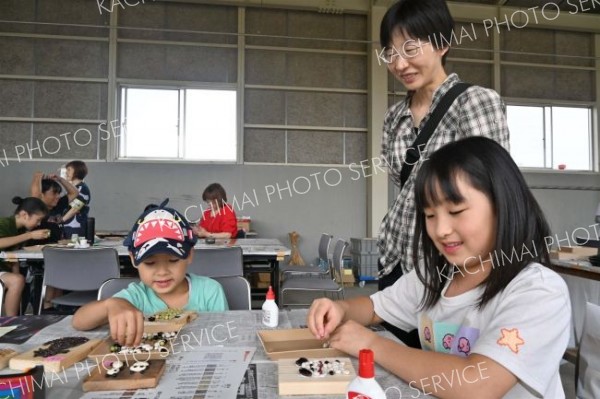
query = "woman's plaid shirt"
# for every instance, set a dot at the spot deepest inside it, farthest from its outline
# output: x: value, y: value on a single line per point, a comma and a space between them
x: 476, y: 112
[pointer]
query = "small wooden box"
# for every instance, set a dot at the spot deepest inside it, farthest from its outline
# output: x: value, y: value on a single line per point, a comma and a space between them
x: 291, y: 382
x: 294, y: 343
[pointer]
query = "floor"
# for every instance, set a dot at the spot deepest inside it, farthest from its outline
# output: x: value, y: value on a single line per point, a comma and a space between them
x: 567, y: 370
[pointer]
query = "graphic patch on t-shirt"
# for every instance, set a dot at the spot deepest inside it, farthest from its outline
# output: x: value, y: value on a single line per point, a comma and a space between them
x: 426, y: 333
x: 464, y: 341
x: 446, y: 337
x: 510, y: 338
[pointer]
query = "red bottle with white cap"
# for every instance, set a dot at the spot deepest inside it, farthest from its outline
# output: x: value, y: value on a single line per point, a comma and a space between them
x: 365, y: 386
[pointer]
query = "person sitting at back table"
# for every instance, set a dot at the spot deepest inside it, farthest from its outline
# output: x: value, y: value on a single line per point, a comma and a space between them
x: 48, y: 188
x: 160, y: 246
x: 76, y: 218
x: 14, y: 231
x: 219, y: 221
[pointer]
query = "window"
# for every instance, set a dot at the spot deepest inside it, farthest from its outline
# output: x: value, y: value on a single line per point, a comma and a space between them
x: 186, y: 124
x: 549, y: 136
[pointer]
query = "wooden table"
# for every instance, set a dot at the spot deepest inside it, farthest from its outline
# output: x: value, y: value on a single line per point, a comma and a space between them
x: 255, y: 251
x: 583, y: 281
x: 576, y: 267
x: 243, y: 326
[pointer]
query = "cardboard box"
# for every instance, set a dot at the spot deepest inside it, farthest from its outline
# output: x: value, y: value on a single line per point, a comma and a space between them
x: 264, y: 277
x: 294, y: 343
x: 243, y: 223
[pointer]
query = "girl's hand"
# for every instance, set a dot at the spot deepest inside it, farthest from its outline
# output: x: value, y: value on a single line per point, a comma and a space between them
x: 126, y: 322
x: 323, y: 317
x: 351, y: 337
x: 41, y: 234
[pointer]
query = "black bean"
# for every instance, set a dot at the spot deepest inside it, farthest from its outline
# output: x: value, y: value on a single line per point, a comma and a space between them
x: 301, y: 360
x: 305, y: 372
x: 60, y: 345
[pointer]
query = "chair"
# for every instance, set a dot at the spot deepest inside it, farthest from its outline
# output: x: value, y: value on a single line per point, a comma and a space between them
x: 309, y: 284
x: 237, y: 292
x: 217, y: 262
x: 324, y: 244
x: 587, y: 372
x: 82, y: 271
x: 112, y: 286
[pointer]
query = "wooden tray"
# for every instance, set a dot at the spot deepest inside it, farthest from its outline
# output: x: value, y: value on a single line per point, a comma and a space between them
x: 56, y: 363
x: 294, y: 343
x: 291, y: 382
x: 125, y: 380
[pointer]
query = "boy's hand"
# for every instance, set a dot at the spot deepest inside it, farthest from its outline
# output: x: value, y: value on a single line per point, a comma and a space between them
x: 41, y: 234
x: 126, y: 322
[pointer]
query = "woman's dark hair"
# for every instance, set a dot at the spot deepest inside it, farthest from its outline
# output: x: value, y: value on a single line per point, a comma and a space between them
x: 30, y: 205
x: 214, y: 191
x: 428, y: 20
x: 520, y: 223
x: 80, y: 169
x: 49, y: 184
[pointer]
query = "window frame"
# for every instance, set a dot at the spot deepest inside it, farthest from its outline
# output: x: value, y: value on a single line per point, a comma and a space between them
x: 182, y: 88
x: 592, y: 133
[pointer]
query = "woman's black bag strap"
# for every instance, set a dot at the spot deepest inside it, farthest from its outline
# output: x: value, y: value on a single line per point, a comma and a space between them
x: 414, y: 153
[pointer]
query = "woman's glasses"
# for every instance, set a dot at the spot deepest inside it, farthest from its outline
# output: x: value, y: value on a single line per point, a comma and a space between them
x: 410, y: 49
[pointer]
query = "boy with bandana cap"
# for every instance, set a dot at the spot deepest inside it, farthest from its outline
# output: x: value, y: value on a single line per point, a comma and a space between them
x: 160, y: 246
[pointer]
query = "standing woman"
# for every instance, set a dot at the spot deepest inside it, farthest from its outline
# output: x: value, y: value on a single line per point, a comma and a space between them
x: 414, y: 35
x: 14, y: 231
x: 76, y: 218
x: 219, y: 221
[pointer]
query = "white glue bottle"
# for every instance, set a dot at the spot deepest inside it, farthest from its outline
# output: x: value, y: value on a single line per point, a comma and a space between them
x: 364, y: 386
x: 270, y: 310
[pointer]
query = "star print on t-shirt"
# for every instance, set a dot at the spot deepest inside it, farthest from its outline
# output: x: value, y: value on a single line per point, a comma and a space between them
x: 511, y: 339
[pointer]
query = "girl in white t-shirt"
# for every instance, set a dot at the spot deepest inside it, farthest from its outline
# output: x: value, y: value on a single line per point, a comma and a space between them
x: 492, y: 320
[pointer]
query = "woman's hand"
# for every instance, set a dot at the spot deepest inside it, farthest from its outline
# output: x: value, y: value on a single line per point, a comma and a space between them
x: 126, y: 322
x: 351, y: 337
x: 40, y: 234
x: 324, y: 316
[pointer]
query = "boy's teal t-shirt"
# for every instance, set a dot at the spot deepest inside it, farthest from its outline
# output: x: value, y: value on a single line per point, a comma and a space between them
x: 205, y: 295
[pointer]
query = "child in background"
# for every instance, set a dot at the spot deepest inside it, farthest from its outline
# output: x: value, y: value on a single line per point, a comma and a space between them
x: 220, y: 220
x: 14, y: 231
x: 161, y: 246
x: 499, y: 320
x: 76, y: 218
x: 48, y: 188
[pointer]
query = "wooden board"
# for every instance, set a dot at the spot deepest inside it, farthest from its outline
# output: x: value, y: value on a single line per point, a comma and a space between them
x: 102, y: 353
x: 573, y: 253
x: 291, y: 382
x: 54, y: 363
x: 125, y: 380
x: 155, y: 328
x: 169, y: 325
x: 294, y: 343
x: 5, y: 355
